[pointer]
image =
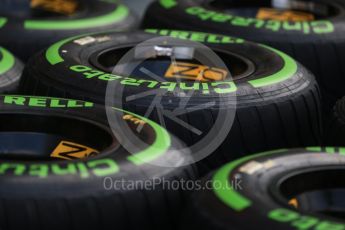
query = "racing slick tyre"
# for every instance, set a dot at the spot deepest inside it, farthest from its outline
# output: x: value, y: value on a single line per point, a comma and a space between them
x: 312, y: 32
x: 10, y: 71
x: 283, y: 189
x: 25, y: 31
x: 62, y: 168
x: 277, y: 100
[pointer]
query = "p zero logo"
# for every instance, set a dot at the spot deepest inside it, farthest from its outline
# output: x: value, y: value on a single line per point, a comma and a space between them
x: 133, y: 119
x: 56, y: 6
x: 293, y: 202
x: 190, y: 71
x: 71, y: 151
x: 284, y: 15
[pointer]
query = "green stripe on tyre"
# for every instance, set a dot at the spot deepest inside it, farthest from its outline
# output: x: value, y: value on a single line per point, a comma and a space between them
x: 160, y: 146
x: 7, y: 61
x: 167, y: 4
x: 235, y: 200
x: 223, y: 189
x: 53, y: 52
x: 3, y: 21
x: 119, y: 14
x: 289, y: 70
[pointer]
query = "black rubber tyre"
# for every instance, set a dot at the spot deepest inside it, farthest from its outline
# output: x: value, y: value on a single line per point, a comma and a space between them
x: 96, y: 192
x: 254, y: 192
x: 277, y: 103
x: 25, y: 32
x: 335, y: 126
x: 318, y: 45
x: 10, y: 71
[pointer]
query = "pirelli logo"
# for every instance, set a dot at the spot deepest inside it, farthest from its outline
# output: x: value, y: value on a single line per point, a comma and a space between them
x: 195, y: 72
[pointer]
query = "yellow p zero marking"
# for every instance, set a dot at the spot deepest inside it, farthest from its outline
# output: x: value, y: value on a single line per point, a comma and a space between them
x: 56, y: 6
x: 133, y: 119
x: 254, y: 166
x: 284, y: 15
x: 70, y: 151
x: 294, y: 202
x: 190, y: 71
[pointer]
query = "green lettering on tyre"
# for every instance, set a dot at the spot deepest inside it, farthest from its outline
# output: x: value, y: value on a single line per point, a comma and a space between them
x: 314, y: 149
x: 222, y: 87
x: 110, y: 167
x: 39, y: 170
x: 283, y: 215
x: 18, y: 169
x: 322, y: 27
x: 80, y: 68
x: 7, y: 61
x: 53, y: 52
x: 305, y: 222
x: 301, y: 222
x: 119, y: 14
x: 194, y: 10
x: 196, y: 36
x: 168, y: 4
x: 327, y: 225
x: 37, y: 102
x: 318, y: 27
x: 230, y: 87
x: 330, y: 150
x: 47, y: 102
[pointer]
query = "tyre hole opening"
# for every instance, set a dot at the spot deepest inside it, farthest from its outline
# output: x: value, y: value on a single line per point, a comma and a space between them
x: 319, y: 191
x: 37, y: 137
x: 174, y: 64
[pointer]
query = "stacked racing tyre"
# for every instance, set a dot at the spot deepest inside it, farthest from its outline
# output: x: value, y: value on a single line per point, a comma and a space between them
x: 283, y: 189
x: 10, y: 71
x: 312, y: 32
x: 25, y: 30
x: 274, y: 101
x: 62, y: 168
